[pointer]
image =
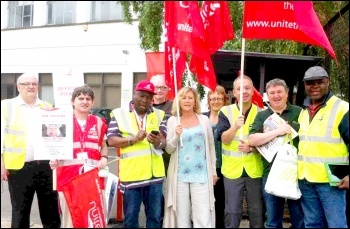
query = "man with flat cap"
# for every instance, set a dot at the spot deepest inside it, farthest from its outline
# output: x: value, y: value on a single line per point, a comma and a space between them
x: 139, y: 132
x: 324, y: 137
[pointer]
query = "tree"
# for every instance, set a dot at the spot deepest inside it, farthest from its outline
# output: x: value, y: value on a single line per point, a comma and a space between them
x: 150, y: 14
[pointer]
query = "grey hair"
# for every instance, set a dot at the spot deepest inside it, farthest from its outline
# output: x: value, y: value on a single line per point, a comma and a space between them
x: 277, y: 82
x: 158, y: 77
x: 26, y: 75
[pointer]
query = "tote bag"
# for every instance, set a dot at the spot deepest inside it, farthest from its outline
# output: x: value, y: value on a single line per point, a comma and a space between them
x: 282, y: 180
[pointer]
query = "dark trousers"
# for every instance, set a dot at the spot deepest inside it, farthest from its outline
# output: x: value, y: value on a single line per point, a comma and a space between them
x: 34, y: 177
x: 219, y: 193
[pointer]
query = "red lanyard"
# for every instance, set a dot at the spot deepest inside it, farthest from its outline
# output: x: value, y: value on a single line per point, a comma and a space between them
x: 82, y: 135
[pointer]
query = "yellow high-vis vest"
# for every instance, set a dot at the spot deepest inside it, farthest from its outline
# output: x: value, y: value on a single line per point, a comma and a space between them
x: 320, y: 140
x: 138, y: 162
x: 233, y: 161
x: 15, y: 137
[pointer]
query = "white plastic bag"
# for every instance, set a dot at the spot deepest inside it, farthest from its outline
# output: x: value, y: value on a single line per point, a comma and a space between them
x: 282, y: 180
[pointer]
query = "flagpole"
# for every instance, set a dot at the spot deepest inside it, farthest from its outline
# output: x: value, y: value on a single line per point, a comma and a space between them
x: 241, y: 86
x: 175, y: 87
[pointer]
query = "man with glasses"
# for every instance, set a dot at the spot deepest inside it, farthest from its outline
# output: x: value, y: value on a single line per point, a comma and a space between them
x: 324, y: 137
x: 160, y: 100
x: 25, y: 176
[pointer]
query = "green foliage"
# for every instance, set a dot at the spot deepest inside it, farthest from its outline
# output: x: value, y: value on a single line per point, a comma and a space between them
x: 192, y: 81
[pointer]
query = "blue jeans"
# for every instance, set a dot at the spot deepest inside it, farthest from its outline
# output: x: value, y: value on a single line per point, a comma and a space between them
x: 275, y: 208
x: 151, y: 196
x: 323, y: 205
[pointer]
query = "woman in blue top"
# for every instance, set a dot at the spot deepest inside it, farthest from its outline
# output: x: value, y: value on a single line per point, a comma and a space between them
x: 192, y: 170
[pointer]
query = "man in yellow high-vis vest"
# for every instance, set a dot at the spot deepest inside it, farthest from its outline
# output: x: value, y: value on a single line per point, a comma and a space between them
x: 324, y: 137
x: 26, y: 176
x: 139, y: 131
x: 241, y: 167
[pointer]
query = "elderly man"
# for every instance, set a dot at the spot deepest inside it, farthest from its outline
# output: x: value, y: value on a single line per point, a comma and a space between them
x: 141, y: 168
x: 20, y: 117
x: 324, y: 137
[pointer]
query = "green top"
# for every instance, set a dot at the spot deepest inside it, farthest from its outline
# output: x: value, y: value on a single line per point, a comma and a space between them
x: 290, y: 114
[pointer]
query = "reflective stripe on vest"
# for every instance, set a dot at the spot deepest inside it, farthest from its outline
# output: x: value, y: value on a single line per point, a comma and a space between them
x: 323, y: 159
x: 134, y: 154
x: 328, y: 135
x: 236, y: 154
x: 14, y: 147
x: 20, y: 133
x: 137, y: 162
x: 233, y: 160
x: 320, y: 141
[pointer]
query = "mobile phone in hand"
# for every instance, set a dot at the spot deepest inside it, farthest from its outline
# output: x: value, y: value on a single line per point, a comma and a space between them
x: 156, y: 132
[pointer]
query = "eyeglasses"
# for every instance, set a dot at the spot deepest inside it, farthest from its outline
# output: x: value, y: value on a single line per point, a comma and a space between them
x: 216, y: 99
x: 162, y: 88
x: 29, y: 84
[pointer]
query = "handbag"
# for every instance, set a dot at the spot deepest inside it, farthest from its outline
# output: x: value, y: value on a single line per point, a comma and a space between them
x: 282, y: 180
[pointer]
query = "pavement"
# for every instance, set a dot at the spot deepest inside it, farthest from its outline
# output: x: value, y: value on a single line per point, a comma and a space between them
x: 35, y: 221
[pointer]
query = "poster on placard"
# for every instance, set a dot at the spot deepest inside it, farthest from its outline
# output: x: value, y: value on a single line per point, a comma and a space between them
x: 55, y: 134
x: 64, y: 83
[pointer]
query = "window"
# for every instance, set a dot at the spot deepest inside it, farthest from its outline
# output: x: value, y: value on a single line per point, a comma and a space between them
x: 9, y: 85
x: 46, y: 86
x: 20, y: 14
x: 60, y: 12
x: 106, y: 10
x: 138, y: 76
x: 106, y: 87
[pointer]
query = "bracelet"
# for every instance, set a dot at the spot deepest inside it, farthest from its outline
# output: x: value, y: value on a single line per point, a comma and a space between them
x: 105, y: 156
x: 160, y: 144
x: 129, y: 142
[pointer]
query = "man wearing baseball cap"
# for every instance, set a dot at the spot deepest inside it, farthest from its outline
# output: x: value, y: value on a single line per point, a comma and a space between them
x: 324, y: 137
x: 141, y: 167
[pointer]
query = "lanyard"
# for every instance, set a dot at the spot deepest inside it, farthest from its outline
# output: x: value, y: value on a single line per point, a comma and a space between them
x: 82, y: 135
x: 140, y: 121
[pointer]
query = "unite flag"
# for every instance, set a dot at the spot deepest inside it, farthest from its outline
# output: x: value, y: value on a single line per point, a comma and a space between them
x: 286, y: 20
x: 217, y: 28
x: 186, y: 31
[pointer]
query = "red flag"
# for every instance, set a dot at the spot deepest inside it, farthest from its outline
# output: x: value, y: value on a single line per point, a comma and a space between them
x: 204, y: 70
x: 67, y: 172
x: 180, y: 65
x: 155, y: 63
x: 184, y: 27
x: 257, y: 99
x: 85, y: 204
x: 289, y: 20
x: 216, y: 19
x: 180, y: 57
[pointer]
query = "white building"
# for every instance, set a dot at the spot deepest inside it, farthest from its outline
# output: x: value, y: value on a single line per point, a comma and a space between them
x: 85, y: 37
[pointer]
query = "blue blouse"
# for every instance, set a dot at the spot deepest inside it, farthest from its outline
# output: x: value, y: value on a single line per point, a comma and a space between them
x: 192, y: 165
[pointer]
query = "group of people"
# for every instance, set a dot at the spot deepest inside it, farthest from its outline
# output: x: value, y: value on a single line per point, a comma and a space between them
x: 188, y: 168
